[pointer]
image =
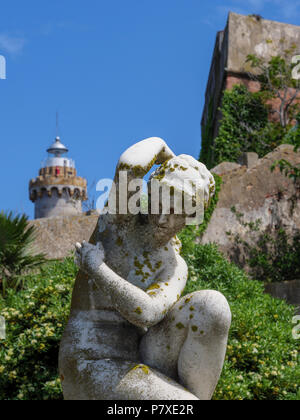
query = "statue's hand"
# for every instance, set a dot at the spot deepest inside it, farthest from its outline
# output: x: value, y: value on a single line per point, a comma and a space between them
x: 89, y: 257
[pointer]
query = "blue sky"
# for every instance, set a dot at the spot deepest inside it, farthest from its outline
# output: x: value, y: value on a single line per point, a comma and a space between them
x: 117, y: 71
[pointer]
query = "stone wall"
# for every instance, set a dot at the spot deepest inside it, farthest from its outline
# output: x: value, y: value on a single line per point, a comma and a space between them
x: 57, y: 203
x: 57, y: 191
x: 242, y: 36
x: 46, y: 183
x: 252, y: 35
x: 257, y: 194
x: 56, y: 237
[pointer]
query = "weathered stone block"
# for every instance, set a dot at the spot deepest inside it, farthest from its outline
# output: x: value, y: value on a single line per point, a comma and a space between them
x: 249, y: 159
x: 225, y: 167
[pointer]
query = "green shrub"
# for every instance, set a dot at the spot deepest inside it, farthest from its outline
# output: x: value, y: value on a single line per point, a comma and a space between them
x: 35, y: 319
x: 191, y: 233
x: 293, y: 135
x: 244, y: 127
x: 285, y: 167
x: 277, y: 80
x: 262, y: 361
x: 275, y: 258
x: 243, y: 115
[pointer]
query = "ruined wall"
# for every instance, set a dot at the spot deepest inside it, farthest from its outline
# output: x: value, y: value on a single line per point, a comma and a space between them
x: 257, y: 194
x: 242, y: 36
x: 265, y: 38
x: 56, y: 237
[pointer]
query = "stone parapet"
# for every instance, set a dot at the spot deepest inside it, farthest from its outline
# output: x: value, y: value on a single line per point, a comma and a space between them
x: 50, y: 180
x: 58, y: 171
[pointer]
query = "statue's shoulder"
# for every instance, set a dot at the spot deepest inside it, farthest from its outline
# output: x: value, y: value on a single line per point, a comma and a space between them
x: 176, y: 245
x: 172, y: 253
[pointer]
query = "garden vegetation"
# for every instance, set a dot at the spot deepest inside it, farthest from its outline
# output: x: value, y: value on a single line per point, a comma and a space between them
x: 246, y: 125
x: 262, y: 361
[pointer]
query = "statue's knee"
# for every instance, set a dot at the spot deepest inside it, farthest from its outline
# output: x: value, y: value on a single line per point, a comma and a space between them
x: 212, y: 311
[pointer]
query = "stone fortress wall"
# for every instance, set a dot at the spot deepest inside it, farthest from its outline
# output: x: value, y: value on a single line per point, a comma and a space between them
x: 242, y: 36
x: 56, y: 237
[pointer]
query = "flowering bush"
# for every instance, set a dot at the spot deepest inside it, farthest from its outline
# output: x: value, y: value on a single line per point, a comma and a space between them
x: 35, y: 319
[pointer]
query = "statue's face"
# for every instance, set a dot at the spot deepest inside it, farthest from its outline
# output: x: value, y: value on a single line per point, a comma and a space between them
x: 165, y: 226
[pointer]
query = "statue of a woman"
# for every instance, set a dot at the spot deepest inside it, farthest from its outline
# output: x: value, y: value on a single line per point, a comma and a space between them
x: 130, y: 336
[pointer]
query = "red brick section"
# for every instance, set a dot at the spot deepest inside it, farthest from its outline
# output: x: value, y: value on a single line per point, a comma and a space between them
x: 58, y: 171
x: 60, y: 176
x: 251, y: 85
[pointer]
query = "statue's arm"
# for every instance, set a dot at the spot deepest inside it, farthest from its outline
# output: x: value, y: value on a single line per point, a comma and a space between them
x: 133, y: 165
x: 139, y: 158
x: 141, y: 308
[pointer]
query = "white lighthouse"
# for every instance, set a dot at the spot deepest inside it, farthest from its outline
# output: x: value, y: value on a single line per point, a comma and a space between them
x: 57, y: 191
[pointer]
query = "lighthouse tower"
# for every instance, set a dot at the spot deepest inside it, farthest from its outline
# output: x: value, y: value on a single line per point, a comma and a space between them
x: 57, y: 191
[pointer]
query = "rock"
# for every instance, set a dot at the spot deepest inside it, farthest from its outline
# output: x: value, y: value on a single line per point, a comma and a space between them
x: 257, y: 194
x: 225, y: 167
x: 249, y: 159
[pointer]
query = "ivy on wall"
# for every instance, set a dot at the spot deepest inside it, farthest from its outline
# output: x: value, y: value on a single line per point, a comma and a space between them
x: 245, y: 124
x: 206, y: 155
x: 244, y: 127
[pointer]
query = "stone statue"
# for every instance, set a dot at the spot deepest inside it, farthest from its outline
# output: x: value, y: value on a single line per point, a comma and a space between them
x: 130, y: 336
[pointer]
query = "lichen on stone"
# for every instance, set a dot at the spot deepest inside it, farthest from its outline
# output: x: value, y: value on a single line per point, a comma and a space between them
x: 119, y: 241
x: 144, y: 368
x: 138, y: 311
x: 153, y: 287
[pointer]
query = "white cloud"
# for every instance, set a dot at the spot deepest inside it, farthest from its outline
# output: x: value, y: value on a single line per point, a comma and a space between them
x: 10, y: 44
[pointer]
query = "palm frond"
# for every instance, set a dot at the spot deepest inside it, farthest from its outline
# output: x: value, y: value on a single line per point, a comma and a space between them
x: 16, y: 239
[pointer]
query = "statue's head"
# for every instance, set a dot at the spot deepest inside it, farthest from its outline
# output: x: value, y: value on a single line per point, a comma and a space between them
x: 179, y: 190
